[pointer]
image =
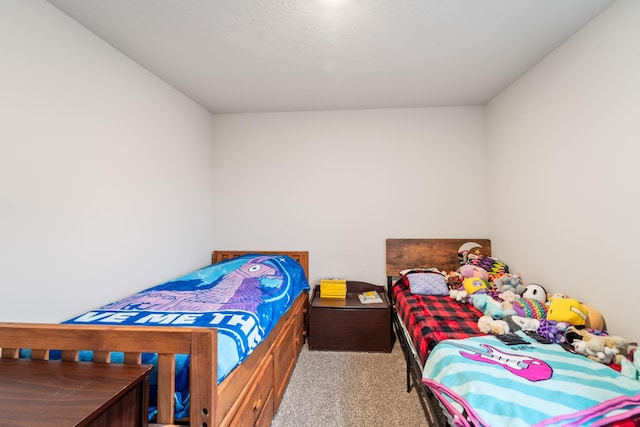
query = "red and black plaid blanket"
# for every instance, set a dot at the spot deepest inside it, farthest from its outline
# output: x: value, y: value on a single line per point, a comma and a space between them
x: 431, y: 319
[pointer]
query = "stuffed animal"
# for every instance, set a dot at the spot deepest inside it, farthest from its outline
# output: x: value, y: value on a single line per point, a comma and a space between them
x: 453, y: 279
x: 493, y: 266
x: 601, y: 348
x: 507, y: 282
x: 508, y: 298
x: 489, y: 307
x: 593, y: 350
x: 553, y: 330
x: 489, y: 325
x: 519, y: 323
x: 474, y: 284
x: 473, y: 271
x: 567, y: 310
x: 470, y: 252
x: 459, y: 295
x: 557, y: 295
x: 619, y: 345
x: 535, y: 291
x: 594, y: 319
x: 529, y: 307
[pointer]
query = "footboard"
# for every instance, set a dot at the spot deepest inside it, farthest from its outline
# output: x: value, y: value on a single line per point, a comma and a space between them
x: 199, y: 343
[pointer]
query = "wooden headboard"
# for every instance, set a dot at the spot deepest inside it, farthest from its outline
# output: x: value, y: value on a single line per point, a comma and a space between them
x: 439, y: 253
x: 302, y: 257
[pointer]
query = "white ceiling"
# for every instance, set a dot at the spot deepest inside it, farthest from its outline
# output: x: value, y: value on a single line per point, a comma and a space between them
x: 294, y: 55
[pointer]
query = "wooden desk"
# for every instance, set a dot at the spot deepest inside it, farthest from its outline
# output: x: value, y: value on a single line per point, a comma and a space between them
x: 54, y: 393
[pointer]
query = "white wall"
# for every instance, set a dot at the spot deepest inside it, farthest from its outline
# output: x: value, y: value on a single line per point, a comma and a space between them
x: 107, y: 174
x: 105, y: 171
x: 338, y: 183
x: 563, y: 148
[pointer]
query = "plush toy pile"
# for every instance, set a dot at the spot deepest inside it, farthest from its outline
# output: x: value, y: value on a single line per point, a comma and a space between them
x: 508, y: 306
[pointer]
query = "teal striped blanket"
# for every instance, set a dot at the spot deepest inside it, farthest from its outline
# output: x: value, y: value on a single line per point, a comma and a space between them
x: 483, y: 382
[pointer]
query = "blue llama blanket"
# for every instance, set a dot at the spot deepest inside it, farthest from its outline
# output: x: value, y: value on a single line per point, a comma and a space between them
x: 243, y: 298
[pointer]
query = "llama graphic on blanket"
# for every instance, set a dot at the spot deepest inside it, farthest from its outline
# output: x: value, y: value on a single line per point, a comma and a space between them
x: 242, y: 289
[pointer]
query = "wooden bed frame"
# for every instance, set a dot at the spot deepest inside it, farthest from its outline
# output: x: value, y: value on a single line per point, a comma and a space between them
x: 249, y: 395
x: 404, y: 254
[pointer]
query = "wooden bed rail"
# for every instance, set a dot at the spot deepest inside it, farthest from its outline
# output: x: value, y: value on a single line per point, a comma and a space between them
x: 199, y: 343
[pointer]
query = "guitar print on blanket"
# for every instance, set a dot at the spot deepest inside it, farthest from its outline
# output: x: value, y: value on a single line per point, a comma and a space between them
x: 527, y: 367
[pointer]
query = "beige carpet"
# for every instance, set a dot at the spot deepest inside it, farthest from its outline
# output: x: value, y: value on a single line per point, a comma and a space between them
x: 345, y: 389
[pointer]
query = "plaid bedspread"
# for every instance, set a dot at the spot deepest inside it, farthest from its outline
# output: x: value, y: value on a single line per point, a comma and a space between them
x: 431, y: 319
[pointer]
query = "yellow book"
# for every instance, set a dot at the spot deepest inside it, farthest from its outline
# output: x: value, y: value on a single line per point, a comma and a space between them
x: 333, y: 288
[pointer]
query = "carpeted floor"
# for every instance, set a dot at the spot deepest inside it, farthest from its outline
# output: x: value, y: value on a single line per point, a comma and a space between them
x: 345, y: 389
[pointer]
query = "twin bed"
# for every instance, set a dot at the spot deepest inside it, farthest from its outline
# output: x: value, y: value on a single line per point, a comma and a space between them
x: 467, y: 378
x: 224, y: 339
